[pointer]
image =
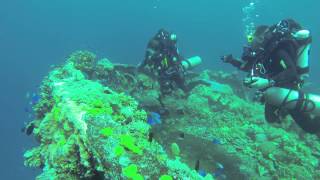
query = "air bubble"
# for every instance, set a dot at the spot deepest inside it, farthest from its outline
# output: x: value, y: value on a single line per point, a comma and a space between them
x: 250, y: 17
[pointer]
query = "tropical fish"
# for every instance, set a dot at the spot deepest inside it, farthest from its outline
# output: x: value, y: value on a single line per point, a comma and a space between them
x: 32, y: 100
x: 28, y: 129
x: 216, y: 141
x: 154, y: 119
x: 219, y: 170
x: 27, y: 110
x: 35, y: 99
x: 202, y: 173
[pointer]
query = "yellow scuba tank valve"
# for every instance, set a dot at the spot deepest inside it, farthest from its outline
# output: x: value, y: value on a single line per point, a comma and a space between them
x: 250, y: 38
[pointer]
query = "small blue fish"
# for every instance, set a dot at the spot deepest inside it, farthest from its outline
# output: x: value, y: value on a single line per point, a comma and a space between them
x: 217, y: 173
x: 35, y: 99
x: 219, y: 170
x: 27, y: 110
x: 216, y: 141
x: 202, y: 173
x: 154, y: 118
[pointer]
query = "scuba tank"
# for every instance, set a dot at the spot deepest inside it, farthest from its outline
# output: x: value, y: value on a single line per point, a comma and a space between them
x: 175, y: 74
x: 303, y: 53
x: 288, y: 33
x: 191, y: 62
x: 303, y: 108
x: 293, y: 100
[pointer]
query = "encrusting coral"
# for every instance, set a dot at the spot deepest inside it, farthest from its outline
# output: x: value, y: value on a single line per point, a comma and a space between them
x: 93, y: 132
x: 91, y: 123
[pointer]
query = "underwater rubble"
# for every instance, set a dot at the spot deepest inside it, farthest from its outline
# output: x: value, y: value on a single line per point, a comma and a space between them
x: 100, y: 120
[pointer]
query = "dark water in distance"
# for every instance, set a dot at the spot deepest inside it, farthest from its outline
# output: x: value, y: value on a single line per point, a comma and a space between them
x: 35, y: 34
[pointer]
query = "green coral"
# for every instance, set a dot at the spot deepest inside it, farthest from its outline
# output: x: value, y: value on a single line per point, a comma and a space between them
x: 56, y: 111
x: 131, y: 172
x: 106, y: 131
x: 128, y: 142
x: 165, y: 177
x: 99, y: 108
x: 119, y: 150
x: 175, y: 149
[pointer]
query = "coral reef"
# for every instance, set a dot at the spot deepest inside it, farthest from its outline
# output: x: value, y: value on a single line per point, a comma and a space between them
x: 92, y: 132
x: 91, y: 123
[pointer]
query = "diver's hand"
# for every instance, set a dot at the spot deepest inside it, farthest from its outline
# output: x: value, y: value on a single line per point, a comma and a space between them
x: 257, y: 82
x: 227, y: 58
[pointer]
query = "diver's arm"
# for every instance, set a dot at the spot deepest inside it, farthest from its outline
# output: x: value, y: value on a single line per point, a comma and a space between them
x: 236, y: 63
x: 178, y: 55
x: 148, y: 57
x: 231, y: 60
x: 173, y: 53
x: 152, y: 52
x: 289, y: 74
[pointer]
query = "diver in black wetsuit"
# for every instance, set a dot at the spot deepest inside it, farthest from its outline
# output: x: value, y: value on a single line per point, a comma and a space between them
x: 273, y: 56
x: 163, y: 59
x: 277, y: 60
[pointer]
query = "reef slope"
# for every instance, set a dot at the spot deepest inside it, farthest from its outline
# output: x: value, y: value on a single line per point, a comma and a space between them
x: 91, y: 123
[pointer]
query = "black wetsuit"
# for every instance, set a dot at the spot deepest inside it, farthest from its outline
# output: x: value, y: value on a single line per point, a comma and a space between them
x: 280, y: 66
x: 163, y: 58
x: 289, y: 78
x: 282, y: 69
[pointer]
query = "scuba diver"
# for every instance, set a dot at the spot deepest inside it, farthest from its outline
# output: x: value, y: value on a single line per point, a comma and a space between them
x: 277, y: 62
x: 163, y: 59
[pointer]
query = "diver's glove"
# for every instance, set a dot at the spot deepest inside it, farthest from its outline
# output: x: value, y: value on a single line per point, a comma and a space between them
x: 258, y: 82
x: 227, y: 58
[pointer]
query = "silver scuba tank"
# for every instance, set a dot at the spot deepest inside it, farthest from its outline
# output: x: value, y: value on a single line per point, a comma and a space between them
x: 191, y: 62
x: 289, y: 99
x: 303, y: 52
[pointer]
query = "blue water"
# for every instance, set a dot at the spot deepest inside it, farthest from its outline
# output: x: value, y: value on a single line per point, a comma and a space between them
x: 35, y: 34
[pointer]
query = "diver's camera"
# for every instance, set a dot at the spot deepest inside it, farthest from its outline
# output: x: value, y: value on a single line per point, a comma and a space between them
x: 248, y: 53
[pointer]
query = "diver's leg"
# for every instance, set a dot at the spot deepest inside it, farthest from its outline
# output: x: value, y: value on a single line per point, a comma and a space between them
x: 306, y: 121
x: 271, y: 113
x: 195, y: 83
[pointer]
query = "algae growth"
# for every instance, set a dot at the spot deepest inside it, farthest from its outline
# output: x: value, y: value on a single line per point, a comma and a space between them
x: 91, y: 123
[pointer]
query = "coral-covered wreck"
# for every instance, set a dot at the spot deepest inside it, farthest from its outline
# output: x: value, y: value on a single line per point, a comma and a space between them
x: 92, y: 123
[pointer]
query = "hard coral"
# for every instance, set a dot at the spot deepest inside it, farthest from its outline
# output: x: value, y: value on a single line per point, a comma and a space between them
x: 106, y: 131
x: 128, y: 142
x: 165, y: 177
x: 87, y: 130
x: 131, y: 172
x: 84, y: 61
x: 103, y: 69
